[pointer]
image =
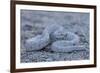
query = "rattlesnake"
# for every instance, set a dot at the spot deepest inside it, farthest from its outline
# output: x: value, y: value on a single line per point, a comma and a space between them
x: 60, y: 38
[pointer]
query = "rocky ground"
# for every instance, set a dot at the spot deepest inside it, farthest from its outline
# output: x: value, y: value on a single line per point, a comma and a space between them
x: 34, y: 22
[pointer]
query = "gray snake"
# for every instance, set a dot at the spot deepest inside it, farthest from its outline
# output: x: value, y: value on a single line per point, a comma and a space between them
x: 61, y: 40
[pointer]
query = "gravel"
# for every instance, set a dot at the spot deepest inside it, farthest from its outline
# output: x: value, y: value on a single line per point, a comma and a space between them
x: 34, y: 22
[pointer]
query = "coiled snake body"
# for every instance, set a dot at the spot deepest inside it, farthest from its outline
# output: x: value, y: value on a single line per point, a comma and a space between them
x: 61, y: 40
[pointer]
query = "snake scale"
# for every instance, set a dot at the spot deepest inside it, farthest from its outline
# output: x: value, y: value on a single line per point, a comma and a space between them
x: 60, y: 38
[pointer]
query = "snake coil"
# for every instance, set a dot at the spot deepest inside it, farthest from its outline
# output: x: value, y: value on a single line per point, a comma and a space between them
x: 62, y: 40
